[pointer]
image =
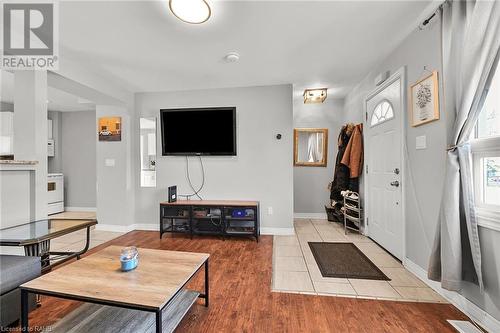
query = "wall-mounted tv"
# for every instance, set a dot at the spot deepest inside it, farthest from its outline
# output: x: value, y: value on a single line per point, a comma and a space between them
x: 198, y: 131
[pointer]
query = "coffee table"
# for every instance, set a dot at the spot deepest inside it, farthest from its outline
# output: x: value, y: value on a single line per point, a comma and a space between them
x: 157, y: 285
x: 35, y: 238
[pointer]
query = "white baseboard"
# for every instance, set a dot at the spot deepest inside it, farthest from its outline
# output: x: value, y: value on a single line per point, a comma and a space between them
x: 277, y: 231
x: 127, y: 228
x: 146, y: 227
x: 80, y: 209
x: 316, y: 216
x: 114, y: 227
x: 463, y: 304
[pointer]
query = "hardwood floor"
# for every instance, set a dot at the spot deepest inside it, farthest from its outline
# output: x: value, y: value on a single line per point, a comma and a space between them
x: 241, y: 299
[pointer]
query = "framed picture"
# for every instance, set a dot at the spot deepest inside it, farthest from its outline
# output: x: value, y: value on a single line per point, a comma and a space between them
x: 424, y: 100
x: 110, y: 129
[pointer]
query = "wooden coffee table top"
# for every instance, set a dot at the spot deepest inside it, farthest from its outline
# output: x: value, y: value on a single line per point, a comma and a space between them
x: 159, y: 275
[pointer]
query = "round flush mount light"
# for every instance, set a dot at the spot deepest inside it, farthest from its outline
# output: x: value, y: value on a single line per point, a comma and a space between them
x: 232, y: 57
x: 190, y: 11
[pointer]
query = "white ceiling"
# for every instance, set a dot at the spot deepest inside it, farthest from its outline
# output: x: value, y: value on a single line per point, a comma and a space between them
x: 140, y: 45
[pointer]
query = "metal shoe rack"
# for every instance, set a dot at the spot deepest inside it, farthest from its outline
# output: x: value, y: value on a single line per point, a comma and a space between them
x: 352, y: 211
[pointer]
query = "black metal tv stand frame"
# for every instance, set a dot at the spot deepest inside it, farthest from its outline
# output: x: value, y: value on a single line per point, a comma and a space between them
x: 210, y: 217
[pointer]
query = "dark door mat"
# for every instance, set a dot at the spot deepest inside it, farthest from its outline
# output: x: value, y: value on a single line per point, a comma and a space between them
x: 344, y: 260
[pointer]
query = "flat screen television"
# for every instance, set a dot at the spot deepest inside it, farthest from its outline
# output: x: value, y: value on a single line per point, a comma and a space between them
x: 200, y: 131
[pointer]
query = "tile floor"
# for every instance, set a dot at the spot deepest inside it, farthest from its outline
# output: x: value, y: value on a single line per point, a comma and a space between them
x: 295, y: 269
x: 76, y: 240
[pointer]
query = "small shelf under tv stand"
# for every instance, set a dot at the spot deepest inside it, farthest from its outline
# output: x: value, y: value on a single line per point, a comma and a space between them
x: 199, y: 217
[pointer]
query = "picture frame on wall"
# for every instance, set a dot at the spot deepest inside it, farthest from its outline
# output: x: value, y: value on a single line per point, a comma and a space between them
x: 110, y: 129
x: 424, y: 100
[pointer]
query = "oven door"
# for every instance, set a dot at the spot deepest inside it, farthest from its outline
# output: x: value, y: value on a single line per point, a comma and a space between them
x: 55, y: 189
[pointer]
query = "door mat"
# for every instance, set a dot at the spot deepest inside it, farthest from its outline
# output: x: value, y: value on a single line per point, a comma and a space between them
x: 344, y: 260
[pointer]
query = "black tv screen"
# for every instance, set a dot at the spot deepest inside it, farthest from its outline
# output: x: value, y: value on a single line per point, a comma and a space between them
x: 200, y: 131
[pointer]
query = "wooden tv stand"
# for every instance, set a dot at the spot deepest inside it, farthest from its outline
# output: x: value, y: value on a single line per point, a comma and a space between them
x: 210, y: 217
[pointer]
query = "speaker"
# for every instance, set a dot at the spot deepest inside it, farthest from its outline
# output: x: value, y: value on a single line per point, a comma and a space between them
x: 172, y: 193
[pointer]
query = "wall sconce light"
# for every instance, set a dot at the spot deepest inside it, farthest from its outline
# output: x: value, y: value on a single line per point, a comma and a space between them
x: 317, y: 95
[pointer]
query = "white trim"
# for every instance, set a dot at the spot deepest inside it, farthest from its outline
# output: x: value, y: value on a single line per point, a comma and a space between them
x: 146, y: 226
x: 400, y: 75
x: 480, y: 316
x: 128, y: 228
x: 463, y: 326
x: 80, y: 209
x: 317, y: 216
x: 489, y: 222
x: 114, y: 227
x: 277, y: 231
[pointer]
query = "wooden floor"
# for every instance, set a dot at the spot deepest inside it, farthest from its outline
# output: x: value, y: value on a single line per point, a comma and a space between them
x: 241, y: 299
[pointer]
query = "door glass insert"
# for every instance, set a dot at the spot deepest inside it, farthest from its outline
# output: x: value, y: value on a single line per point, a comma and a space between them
x: 383, y: 112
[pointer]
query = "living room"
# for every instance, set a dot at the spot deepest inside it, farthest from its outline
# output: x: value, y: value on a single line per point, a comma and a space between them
x: 308, y: 150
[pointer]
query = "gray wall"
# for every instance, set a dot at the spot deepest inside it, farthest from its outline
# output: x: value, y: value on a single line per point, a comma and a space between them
x: 310, y: 192
x: 425, y: 179
x: 116, y: 181
x: 262, y: 170
x: 78, y: 152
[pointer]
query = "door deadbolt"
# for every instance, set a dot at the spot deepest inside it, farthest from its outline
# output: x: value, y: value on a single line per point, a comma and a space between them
x: 396, y: 171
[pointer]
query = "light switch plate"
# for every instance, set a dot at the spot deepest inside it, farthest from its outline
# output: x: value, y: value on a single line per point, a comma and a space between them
x: 109, y: 162
x: 421, y: 142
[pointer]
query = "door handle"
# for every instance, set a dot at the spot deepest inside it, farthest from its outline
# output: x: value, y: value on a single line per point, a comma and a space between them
x: 395, y: 183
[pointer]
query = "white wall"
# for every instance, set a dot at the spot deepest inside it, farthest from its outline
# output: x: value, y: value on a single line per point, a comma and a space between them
x: 424, y: 185
x: 261, y: 171
x: 310, y: 183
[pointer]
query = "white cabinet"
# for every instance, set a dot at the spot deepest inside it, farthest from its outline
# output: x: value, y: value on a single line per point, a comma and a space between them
x: 51, y: 148
x: 6, y: 133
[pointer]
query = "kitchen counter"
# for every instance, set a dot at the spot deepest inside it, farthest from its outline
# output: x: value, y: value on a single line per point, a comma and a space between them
x: 18, y: 162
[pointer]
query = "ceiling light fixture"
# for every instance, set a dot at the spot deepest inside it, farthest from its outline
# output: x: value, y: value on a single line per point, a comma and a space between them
x: 232, y: 57
x: 190, y: 11
x: 317, y: 95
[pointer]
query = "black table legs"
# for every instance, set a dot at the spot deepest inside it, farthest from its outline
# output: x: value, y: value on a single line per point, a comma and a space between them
x: 206, y: 283
x: 24, y: 310
x: 159, y: 324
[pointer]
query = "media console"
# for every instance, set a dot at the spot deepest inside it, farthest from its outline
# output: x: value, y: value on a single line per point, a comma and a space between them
x: 210, y: 217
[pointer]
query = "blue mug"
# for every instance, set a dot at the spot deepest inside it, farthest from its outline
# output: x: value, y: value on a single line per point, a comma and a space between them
x: 129, y: 258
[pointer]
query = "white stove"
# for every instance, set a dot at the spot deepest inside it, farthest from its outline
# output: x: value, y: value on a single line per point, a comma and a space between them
x: 55, y: 194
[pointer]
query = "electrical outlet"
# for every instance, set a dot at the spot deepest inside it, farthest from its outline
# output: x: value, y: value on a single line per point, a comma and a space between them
x: 109, y: 162
x: 270, y: 210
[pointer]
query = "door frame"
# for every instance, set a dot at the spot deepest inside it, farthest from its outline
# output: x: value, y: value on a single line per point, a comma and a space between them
x: 400, y: 74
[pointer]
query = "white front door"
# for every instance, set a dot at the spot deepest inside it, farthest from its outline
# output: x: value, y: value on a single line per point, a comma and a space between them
x: 384, y: 164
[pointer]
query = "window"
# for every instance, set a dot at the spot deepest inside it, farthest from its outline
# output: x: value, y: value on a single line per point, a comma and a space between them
x: 486, y: 156
x: 382, y: 113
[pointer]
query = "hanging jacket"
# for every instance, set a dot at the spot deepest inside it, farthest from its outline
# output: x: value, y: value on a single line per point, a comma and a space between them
x: 353, y: 155
x: 341, y: 176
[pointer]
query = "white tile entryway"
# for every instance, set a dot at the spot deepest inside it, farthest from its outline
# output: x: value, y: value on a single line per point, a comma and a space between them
x: 295, y: 270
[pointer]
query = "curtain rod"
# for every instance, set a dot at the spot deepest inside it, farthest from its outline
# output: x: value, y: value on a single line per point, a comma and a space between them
x: 427, y: 20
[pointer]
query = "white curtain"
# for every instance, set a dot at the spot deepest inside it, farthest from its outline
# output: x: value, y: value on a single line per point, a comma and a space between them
x: 314, y: 147
x: 470, y: 46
